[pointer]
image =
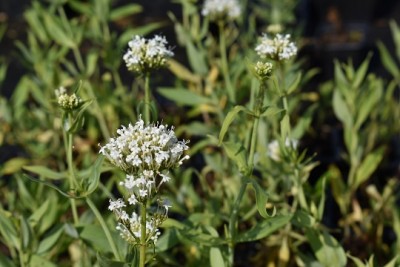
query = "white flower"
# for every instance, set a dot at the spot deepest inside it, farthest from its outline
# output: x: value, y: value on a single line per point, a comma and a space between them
x: 221, y: 9
x: 274, y: 150
x: 117, y: 204
x: 278, y: 48
x: 145, y: 55
x: 130, y: 226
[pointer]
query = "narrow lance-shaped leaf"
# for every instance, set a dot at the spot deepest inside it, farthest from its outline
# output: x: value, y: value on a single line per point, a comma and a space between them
x: 387, y: 60
x: 368, y: 166
x: 264, y: 228
x: 45, y: 172
x: 230, y: 117
x: 295, y: 84
x: 183, y: 96
x: 238, y: 154
x: 261, y: 198
x: 361, y: 72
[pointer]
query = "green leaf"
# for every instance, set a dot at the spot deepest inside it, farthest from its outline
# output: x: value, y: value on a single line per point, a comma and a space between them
x: 182, y: 72
x: 387, y: 60
x: 264, y: 228
x: 285, y: 127
x: 90, y: 184
x: 216, y: 259
x: 261, y: 198
x: 91, y: 62
x: 79, y: 119
x: 5, y: 261
x: 293, y: 86
x: 396, y: 36
x: 38, y: 261
x: 367, y: 104
x: 26, y: 233
x: 106, y: 262
x: 339, y: 188
x: 8, y: 230
x: 361, y: 72
x: 183, y: 96
x: 237, y: 153
x: 303, y: 219
x: 270, y: 111
x: 341, y: 109
x: 229, y: 119
x: 392, y: 263
x: 69, y: 195
x: 38, y: 214
x: 58, y: 34
x: 45, y: 172
x: 368, y: 166
x: 196, y: 58
x: 35, y: 24
x: 94, y: 235
x: 124, y: 11
x: 357, y: 261
x: 13, y: 165
x: 168, y: 240
x: 50, y: 239
x: 326, y: 248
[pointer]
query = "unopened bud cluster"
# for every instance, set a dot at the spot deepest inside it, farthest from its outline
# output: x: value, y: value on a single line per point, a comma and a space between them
x: 66, y: 101
x: 221, y: 9
x: 279, y: 48
x: 145, y: 55
x: 263, y: 70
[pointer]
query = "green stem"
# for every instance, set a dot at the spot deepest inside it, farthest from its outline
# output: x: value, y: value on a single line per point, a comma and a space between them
x: 105, y: 228
x: 68, y: 141
x: 147, y: 98
x: 224, y: 63
x: 253, y: 142
x: 233, y: 220
x: 143, y: 243
x: 21, y: 258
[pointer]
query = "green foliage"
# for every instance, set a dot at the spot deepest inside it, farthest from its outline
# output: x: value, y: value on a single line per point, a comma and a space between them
x: 249, y: 192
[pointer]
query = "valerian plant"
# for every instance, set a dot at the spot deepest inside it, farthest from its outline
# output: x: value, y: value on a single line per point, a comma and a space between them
x: 92, y: 175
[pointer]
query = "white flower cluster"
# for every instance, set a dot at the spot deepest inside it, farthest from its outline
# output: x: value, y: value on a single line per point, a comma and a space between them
x: 221, y: 9
x: 143, y: 153
x: 65, y: 101
x: 145, y: 55
x: 129, y: 225
x: 263, y: 70
x: 279, y: 48
x: 274, y: 150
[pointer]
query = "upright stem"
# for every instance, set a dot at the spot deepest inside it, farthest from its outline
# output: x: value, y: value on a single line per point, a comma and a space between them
x: 143, y: 242
x: 224, y: 63
x: 68, y: 141
x: 147, y: 98
x: 105, y: 228
x: 233, y: 220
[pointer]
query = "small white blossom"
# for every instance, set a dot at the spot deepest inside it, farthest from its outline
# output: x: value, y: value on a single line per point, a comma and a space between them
x: 279, y: 48
x: 145, y: 55
x: 221, y: 9
x: 274, y: 150
x: 117, y: 204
